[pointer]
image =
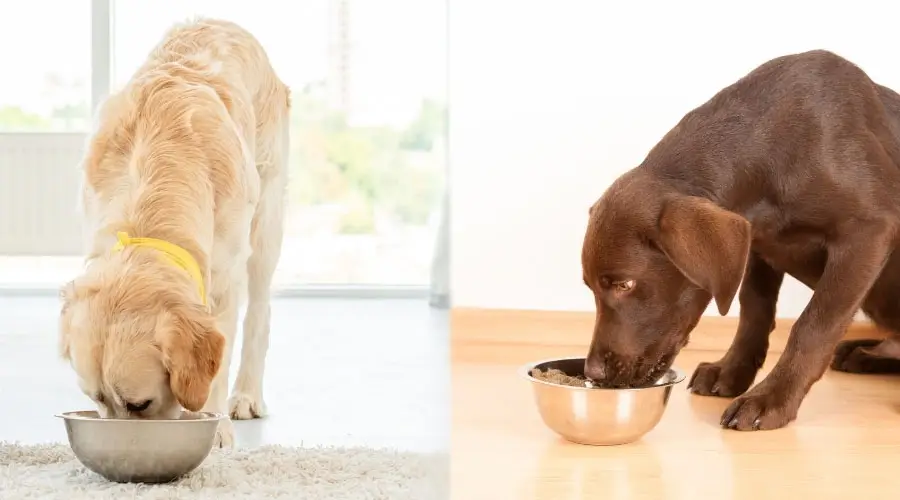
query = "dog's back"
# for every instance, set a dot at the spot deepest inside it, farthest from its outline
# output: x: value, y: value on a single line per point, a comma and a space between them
x: 891, y: 102
x: 783, y: 116
x: 224, y: 53
x: 208, y: 82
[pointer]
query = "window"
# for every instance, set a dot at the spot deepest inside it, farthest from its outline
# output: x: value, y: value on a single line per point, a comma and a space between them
x: 367, y: 157
x: 45, y: 85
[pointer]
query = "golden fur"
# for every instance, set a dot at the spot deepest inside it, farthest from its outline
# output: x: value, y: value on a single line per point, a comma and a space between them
x: 193, y: 151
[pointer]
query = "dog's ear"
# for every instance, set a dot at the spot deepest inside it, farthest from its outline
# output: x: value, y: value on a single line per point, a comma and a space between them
x: 707, y: 243
x: 192, y: 351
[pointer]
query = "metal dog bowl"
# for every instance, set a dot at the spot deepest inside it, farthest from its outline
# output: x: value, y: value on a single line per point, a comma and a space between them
x: 139, y: 450
x: 599, y: 416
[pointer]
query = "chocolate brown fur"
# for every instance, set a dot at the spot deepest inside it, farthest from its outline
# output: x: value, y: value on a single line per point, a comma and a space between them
x: 794, y: 169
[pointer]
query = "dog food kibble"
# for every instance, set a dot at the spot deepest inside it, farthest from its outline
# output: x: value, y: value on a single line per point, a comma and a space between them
x: 555, y: 376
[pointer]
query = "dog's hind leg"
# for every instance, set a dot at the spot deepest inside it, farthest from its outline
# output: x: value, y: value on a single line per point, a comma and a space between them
x: 882, y: 306
x: 266, y: 237
x: 868, y: 356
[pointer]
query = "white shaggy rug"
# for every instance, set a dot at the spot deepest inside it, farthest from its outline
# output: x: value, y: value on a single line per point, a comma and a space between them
x: 49, y: 472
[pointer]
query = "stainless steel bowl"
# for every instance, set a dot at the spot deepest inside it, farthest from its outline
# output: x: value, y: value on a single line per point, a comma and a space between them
x: 139, y: 450
x: 598, y: 416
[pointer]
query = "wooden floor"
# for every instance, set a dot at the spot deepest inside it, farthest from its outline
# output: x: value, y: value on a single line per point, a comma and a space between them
x: 845, y: 444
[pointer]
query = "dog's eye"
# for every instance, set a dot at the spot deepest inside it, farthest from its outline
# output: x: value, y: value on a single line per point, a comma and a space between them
x: 624, y: 286
x: 137, y: 408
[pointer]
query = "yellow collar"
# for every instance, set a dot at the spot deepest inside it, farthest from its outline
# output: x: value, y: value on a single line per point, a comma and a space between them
x: 173, y: 253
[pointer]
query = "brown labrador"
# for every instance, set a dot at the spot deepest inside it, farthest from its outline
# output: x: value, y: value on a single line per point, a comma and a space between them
x: 795, y: 169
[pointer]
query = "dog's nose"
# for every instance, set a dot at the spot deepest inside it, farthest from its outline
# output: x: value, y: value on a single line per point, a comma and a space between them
x: 595, y: 368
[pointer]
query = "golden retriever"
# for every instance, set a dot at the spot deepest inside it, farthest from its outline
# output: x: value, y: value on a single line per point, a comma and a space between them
x: 184, y: 185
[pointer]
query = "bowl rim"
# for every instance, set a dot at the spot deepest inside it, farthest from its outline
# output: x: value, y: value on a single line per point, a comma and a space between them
x: 525, y: 371
x: 204, y: 416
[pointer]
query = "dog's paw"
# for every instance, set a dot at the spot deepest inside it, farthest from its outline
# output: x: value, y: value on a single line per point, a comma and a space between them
x: 224, y: 434
x: 721, y: 379
x: 246, y: 406
x: 760, y: 409
x: 856, y: 356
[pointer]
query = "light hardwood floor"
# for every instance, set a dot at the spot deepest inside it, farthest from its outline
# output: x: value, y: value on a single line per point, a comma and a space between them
x: 845, y: 444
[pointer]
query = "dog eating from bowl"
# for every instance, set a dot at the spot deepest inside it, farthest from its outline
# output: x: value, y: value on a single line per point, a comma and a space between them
x: 184, y: 185
x: 794, y: 169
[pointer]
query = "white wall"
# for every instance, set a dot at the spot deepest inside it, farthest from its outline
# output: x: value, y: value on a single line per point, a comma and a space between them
x: 553, y: 99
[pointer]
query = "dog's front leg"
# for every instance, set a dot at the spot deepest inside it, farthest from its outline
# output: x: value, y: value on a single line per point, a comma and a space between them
x: 733, y: 374
x: 853, y: 265
x: 225, y: 311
